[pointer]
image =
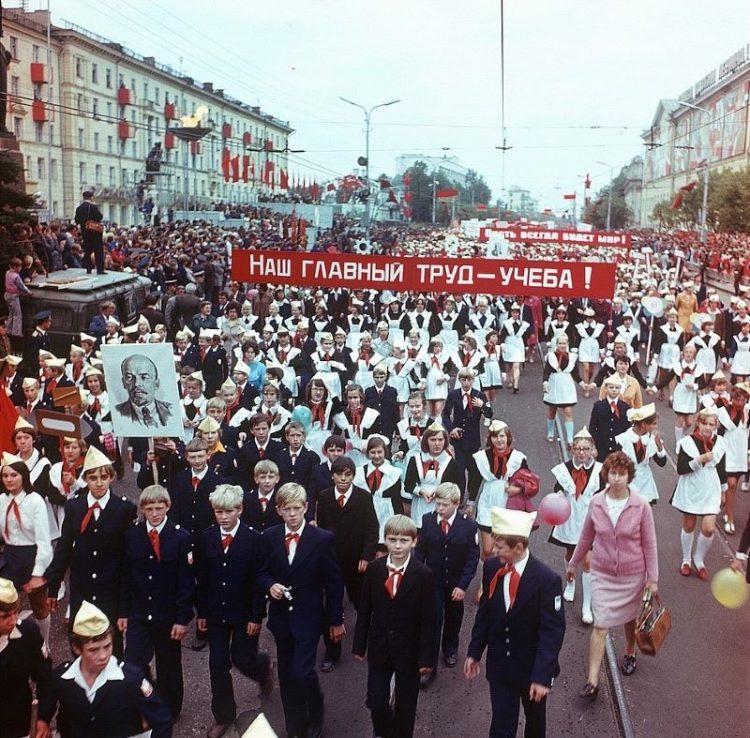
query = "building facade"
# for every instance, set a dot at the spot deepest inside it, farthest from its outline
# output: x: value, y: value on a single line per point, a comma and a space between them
x: 87, y: 113
x: 707, y: 125
x: 448, y: 165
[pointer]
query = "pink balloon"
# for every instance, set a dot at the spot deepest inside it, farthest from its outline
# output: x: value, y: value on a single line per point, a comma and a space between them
x: 554, y: 509
x: 252, y: 294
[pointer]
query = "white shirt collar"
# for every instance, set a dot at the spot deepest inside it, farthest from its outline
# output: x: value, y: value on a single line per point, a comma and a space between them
x: 451, y: 519
x: 347, y: 494
x: 401, y: 568
x: 232, y: 532
x: 110, y: 673
x: 521, y: 565
x: 199, y: 474
x: 12, y: 636
x: 90, y: 500
x: 159, y: 528
x: 288, y: 530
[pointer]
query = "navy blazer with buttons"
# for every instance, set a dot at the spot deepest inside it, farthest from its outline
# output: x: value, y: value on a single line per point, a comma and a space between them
x: 605, y: 427
x: 303, y: 468
x: 248, y: 457
x: 453, y: 558
x: 229, y: 590
x: 191, y: 508
x: 314, y: 577
x: 158, y: 590
x: 455, y: 416
x: 386, y: 404
x: 522, y: 644
x: 253, y: 513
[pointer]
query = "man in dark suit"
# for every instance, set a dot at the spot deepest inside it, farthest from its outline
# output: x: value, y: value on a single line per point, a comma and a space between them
x: 384, y: 399
x: 303, y: 580
x: 259, y: 503
x: 92, y: 543
x: 260, y: 446
x: 349, y: 513
x: 92, y: 236
x: 521, y: 623
x: 462, y: 412
x: 609, y: 418
x: 140, y: 377
x: 213, y: 362
x: 396, y: 629
x: 38, y: 341
x: 156, y: 603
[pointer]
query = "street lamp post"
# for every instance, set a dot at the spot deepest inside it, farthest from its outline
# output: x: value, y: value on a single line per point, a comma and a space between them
x: 368, y: 114
x: 704, y: 209
x: 609, y: 197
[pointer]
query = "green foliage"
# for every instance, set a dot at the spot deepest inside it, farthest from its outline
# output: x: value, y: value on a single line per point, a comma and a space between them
x: 13, y: 208
x: 595, y: 212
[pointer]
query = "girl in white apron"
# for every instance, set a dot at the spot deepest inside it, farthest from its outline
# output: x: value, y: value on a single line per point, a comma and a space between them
x: 630, y: 333
x: 283, y: 354
x: 321, y: 406
x: 97, y: 400
x: 426, y: 470
x: 560, y: 377
x: 669, y: 340
x: 383, y: 480
x: 450, y: 324
x: 326, y: 367
x: 382, y: 342
x: 641, y: 443
x: 357, y: 325
x: 740, y: 353
x: 718, y: 393
x: 365, y: 359
x: 411, y: 428
x: 436, y: 367
x: 276, y: 414
x: 64, y: 481
x: 733, y: 428
x: 470, y: 357
x: 394, y: 317
x: 491, y: 379
x: 513, y: 337
x: 76, y: 369
x: 399, y: 370
x: 488, y: 474
x: 482, y: 320
x: 591, y: 338
x: 556, y: 325
x: 193, y: 406
x: 24, y: 437
x: 708, y: 346
x: 356, y: 423
x: 701, y: 477
x: 578, y: 479
x: 420, y: 319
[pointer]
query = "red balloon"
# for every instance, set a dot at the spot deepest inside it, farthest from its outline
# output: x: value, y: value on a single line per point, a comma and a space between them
x: 554, y: 509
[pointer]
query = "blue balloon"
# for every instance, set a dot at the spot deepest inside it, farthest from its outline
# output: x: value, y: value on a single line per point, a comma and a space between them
x: 303, y: 415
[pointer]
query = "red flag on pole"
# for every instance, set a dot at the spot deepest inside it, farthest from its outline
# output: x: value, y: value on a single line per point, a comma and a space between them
x: 225, y: 158
x: 570, y: 196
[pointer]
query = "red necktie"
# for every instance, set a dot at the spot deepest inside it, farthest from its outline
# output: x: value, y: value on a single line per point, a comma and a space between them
x: 281, y: 355
x: 708, y: 443
x: 436, y: 361
x: 356, y: 420
x: 270, y: 416
x: 686, y: 370
x: 77, y: 371
x: 445, y: 526
x: 153, y: 534
x: 226, y: 541
x: 94, y: 407
x: 261, y: 452
x: 196, y: 482
x: 288, y: 538
x: 394, y: 578
x: 416, y: 431
x: 263, y: 502
x: 468, y: 408
x: 412, y: 353
x: 319, y: 413
x: 373, y: 480
x: 580, y: 478
x: 87, y: 517
x: 736, y: 416
x: 397, y: 367
x: 326, y: 357
x: 341, y: 499
x: 430, y: 466
x: 28, y: 408
x: 466, y: 359
x: 71, y: 469
x: 640, y: 450
x: 51, y: 385
x: 294, y: 459
x: 615, y: 409
x: 14, y: 507
x: 515, y: 579
x: 203, y: 354
x: 499, y: 462
x: 562, y: 359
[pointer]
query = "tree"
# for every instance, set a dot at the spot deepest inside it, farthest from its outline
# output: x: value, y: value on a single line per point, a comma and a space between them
x: 421, y: 192
x: 475, y: 190
x: 14, y: 204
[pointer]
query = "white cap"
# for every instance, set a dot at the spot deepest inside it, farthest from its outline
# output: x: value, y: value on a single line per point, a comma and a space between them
x: 95, y: 459
x: 209, y: 425
x: 90, y: 621
x: 636, y: 414
x: 512, y: 522
x: 9, y: 594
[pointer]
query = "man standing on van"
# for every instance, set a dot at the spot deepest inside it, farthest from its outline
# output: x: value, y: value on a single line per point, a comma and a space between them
x: 89, y: 219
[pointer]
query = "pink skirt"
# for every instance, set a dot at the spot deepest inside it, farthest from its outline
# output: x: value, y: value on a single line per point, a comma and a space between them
x: 616, y: 600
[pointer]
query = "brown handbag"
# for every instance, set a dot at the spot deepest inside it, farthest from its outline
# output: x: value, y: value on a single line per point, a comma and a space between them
x: 653, y: 625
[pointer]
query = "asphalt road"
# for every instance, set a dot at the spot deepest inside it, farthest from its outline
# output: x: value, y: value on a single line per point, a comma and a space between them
x: 695, y: 686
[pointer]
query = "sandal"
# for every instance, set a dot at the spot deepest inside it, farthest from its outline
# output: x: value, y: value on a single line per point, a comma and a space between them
x: 628, y: 665
x: 589, y: 692
x: 729, y: 528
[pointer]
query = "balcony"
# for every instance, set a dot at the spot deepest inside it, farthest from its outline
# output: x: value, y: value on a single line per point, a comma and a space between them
x: 124, y: 96
x: 39, y: 112
x: 38, y: 73
x: 125, y: 130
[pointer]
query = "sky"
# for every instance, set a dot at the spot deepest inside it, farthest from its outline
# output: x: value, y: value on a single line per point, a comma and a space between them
x: 582, y: 78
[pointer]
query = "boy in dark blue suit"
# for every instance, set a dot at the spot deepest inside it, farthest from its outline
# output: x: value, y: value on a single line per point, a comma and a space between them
x: 396, y: 629
x: 259, y: 504
x: 448, y: 544
x: 609, y: 418
x: 303, y: 579
x: 521, y: 623
x: 321, y: 479
x: 231, y: 603
x: 156, y: 605
x: 260, y: 446
x: 297, y: 463
x: 462, y: 412
x: 384, y: 399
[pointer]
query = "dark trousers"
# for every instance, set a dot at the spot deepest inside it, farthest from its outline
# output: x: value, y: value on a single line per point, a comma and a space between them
x: 399, y: 721
x: 353, y: 583
x: 450, y: 615
x: 300, y: 691
x: 506, y: 700
x: 95, y: 249
x: 143, y: 641
x: 230, y: 645
x: 463, y: 459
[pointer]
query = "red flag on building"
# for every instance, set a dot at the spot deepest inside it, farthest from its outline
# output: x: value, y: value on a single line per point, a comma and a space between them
x: 678, y: 201
x: 283, y: 179
x: 245, y: 167
x: 225, y: 159
x: 447, y: 193
x: 236, y: 168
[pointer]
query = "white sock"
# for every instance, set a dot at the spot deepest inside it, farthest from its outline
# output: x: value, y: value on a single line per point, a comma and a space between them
x: 569, y: 430
x: 550, y: 428
x: 44, y: 626
x: 686, y: 541
x: 701, y: 549
x: 677, y: 434
x: 586, y: 590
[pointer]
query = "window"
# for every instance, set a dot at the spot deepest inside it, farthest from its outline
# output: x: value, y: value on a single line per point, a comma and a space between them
x: 79, y: 103
x: 95, y: 107
x: 37, y: 91
x: 40, y: 168
x: 51, y: 133
x: 156, y: 95
x: 14, y: 47
x: 81, y: 172
x: 132, y: 83
x: 35, y: 54
x: 110, y: 145
x: 80, y: 138
x: 18, y: 127
x: 109, y: 110
x: 145, y: 90
x: 53, y: 170
x: 112, y: 181
x: 14, y: 86
x: 124, y: 180
x: 38, y: 131
x: 120, y: 80
x: 134, y: 147
x: 95, y: 74
x: 98, y: 174
x: 28, y: 166
x: 132, y: 116
x: 79, y: 67
x: 108, y: 78
x: 96, y: 144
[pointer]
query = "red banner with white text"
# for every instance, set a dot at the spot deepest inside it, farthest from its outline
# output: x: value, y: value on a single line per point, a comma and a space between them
x: 563, y: 237
x: 426, y: 274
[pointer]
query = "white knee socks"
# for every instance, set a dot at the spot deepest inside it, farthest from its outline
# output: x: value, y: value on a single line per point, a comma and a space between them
x: 569, y: 430
x: 586, y: 604
x: 686, y: 540
x: 701, y: 549
x: 44, y: 626
x: 550, y: 428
